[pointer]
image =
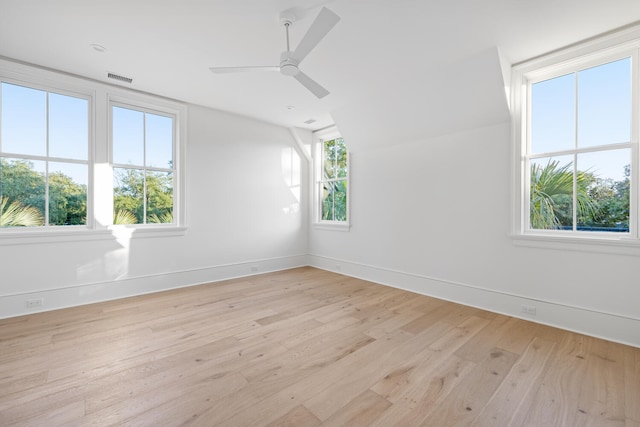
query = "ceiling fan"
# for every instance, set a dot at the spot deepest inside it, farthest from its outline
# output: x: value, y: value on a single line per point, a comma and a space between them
x: 289, y: 60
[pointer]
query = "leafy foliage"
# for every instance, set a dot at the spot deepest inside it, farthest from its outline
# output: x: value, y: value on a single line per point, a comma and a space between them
x: 133, y: 189
x: 16, y: 215
x: 19, y: 182
x: 600, y: 203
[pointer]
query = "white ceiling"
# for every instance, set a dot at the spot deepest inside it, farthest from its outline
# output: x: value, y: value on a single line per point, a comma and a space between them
x: 395, y: 68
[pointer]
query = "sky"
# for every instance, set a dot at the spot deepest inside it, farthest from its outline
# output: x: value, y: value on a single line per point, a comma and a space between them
x: 585, y: 109
x: 139, y: 139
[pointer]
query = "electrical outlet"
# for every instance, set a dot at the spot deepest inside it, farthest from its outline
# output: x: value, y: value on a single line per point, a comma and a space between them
x: 39, y: 302
x: 254, y: 268
x: 528, y: 309
x: 338, y: 267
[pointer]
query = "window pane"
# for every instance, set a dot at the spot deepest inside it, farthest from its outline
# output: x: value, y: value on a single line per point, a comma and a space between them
x: 553, y: 114
x: 604, y: 104
x: 159, y: 197
x: 68, y: 127
x: 67, y: 194
x: 327, y: 201
x: 341, y: 158
x: 334, y: 201
x: 159, y: 141
x: 607, y: 187
x: 551, y: 193
x: 340, y: 201
x: 329, y: 159
x: 22, y: 184
x: 128, y: 196
x: 24, y: 120
x: 128, y: 136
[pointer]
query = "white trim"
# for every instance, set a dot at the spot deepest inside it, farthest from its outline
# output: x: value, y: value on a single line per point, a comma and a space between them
x: 326, y: 134
x: 615, y: 327
x: 15, y: 304
x: 332, y: 225
x: 599, y: 50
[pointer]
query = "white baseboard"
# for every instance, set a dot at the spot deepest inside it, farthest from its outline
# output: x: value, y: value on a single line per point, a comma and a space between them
x: 53, y: 299
x: 612, y: 327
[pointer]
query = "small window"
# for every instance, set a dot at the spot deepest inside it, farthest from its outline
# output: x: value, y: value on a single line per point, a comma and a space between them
x: 332, y: 186
x: 143, y: 145
x: 44, y: 157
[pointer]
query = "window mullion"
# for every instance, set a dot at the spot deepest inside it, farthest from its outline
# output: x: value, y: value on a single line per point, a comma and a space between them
x: 575, y: 148
x: 46, y: 163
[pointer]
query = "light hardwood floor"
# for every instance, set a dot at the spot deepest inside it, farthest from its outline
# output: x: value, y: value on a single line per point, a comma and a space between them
x: 306, y: 347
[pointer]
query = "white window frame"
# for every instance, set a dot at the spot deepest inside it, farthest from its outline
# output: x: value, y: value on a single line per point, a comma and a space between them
x: 319, y: 137
x: 145, y: 107
x: 100, y: 180
x: 600, y: 50
x: 66, y: 91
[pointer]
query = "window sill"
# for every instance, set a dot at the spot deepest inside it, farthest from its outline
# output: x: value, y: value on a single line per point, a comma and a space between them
x: 621, y: 245
x: 332, y: 225
x: 24, y: 237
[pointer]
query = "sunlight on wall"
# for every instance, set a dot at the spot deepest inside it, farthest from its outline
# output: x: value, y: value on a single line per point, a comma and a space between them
x: 291, y: 176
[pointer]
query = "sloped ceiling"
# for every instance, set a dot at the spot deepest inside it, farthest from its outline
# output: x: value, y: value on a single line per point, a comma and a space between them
x: 396, y: 69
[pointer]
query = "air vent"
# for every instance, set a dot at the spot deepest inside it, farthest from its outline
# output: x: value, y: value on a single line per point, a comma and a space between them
x: 119, y: 78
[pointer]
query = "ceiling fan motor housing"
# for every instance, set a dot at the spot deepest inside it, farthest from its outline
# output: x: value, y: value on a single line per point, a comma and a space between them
x: 288, y: 66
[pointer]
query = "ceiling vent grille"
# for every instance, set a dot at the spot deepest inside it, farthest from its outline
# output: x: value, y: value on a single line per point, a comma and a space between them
x: 119, y: 78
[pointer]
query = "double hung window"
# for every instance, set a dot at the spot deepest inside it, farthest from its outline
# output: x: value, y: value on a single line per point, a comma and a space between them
x: 44, y: 157
x: 143, y: 166
x: 576, y: 142
x: 80, y: 155
x: 332, y: 185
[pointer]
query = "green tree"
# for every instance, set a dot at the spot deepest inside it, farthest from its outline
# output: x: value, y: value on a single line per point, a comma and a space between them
x: 19, y: 182
x: 551, y: 190
x: 612, y: 198
x: 131, y: 195
x: 67, y: 200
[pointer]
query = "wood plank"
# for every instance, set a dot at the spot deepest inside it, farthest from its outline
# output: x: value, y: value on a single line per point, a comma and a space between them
x: 297, y: 417
x: 361, y: 410
x: 508, y: 404
x: 303, y: 347
x: 556, y: 399
x: 468, y: 398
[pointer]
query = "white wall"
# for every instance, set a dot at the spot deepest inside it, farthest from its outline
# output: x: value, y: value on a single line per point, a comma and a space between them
x: 433, y: 216
x: 243, y: 216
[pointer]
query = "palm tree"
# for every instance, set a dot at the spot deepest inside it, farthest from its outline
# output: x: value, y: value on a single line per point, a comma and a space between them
x: 17, y: 215
x: 123, y: 217
x: 550, y: 184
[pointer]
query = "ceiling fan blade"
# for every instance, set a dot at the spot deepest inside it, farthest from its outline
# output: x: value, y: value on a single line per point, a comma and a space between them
x: 224, y: 70
x: 310, y: 84
x: 323, y: 23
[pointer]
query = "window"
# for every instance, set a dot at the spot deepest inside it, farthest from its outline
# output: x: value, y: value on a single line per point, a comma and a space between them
x: 44, y: 152
x: 332, y: 170
x: 142, y: 152
x: 576, y: 137
x: 77, y: 157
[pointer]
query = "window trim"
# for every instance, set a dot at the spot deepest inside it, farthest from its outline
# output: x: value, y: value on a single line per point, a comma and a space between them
x: 151, y: 109
x: 605, y: 48
x: 100, y: 222
x: 319, y: 137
